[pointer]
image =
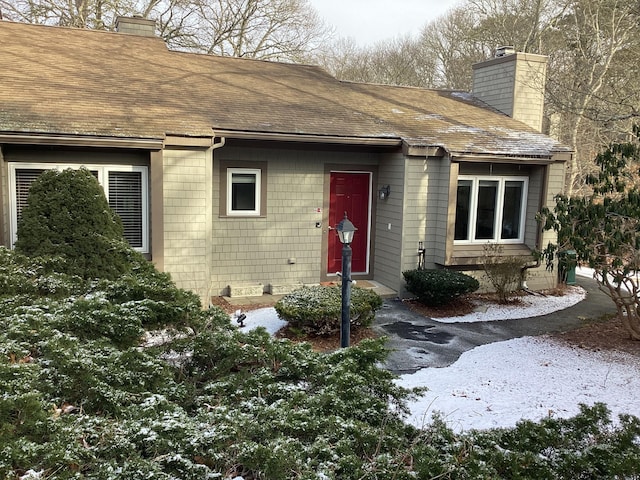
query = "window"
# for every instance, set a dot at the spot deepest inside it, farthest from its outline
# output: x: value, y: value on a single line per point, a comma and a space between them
x: 125, y: 186
x: 244, y: 191
x: 490, y: 209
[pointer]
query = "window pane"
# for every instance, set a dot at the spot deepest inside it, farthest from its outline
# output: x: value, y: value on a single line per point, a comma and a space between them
x: 243, y: 191
x: 486, y: 214
x: 463, y: 209
x: 512, y: 210
x: 125, y: 198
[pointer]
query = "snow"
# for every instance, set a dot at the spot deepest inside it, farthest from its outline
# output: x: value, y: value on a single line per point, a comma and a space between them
x: 529, y: 306
x: 497, y: 385
x: 263, y: 317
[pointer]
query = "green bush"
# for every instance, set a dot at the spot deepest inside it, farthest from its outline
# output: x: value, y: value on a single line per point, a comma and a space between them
x: 439, y: 287
x: 317, y: 310
x: 68, y: 216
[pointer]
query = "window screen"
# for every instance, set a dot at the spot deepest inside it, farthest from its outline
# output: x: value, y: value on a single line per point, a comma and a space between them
x: 125, y: 197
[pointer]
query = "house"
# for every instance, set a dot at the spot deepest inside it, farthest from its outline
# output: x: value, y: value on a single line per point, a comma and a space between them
x: 231, y: 173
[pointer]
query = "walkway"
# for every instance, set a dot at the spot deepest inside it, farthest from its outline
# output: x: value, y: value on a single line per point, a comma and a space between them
x: 418, y: 342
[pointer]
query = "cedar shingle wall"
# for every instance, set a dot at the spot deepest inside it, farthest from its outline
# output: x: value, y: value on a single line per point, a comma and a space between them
x: 186, y: 223
x: 389, y: 223
x: 257, y: 250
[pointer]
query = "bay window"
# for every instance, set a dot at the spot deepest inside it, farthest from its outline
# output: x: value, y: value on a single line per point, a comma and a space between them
x: 490, y: 209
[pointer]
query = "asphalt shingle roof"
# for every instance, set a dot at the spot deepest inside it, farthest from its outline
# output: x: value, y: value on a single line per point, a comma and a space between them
x: 81, y: 82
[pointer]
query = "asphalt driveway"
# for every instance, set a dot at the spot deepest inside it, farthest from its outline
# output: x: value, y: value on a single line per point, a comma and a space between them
x: 418, y: 342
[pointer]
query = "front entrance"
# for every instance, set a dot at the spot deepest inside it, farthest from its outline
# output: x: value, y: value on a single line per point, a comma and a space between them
x: 350, y: 192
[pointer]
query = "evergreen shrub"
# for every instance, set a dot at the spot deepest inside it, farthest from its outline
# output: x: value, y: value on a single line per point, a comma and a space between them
x: 84, y: 397
x: 67, y: 215
x: 317, y: 310
x: 439, y: 287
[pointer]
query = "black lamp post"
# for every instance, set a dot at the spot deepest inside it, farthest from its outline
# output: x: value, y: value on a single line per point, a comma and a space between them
x: 346, y: 230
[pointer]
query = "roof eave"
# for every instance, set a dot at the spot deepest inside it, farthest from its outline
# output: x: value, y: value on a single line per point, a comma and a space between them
x: 310, y: 138
x: 531, y: 159
x: 21, y: 138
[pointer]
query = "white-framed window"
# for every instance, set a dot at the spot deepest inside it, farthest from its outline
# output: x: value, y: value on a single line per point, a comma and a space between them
x: 490, y: 209
x: 244, y: 191
x: 125, y: 186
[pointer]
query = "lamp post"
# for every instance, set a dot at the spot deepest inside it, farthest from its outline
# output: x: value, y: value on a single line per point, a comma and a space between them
x: 346, y: 230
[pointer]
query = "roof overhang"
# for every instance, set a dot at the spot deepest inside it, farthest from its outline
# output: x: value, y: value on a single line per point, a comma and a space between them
x: 81, y: 141
x: 543, y: 158
x: 497, y: 158
x: 310, y: 138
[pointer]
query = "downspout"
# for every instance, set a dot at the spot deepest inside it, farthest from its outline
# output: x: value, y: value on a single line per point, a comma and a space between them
x: 220, y: 144
x: 214, y: 146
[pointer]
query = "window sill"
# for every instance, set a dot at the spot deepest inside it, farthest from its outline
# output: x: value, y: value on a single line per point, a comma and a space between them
x: 471, y: 254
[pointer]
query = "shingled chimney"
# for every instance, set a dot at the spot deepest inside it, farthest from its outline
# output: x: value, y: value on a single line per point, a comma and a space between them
x: 513, y: 83
x: 136, y: 25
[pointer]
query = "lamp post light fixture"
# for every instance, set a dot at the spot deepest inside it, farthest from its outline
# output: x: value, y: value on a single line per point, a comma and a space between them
x: 346, y: 231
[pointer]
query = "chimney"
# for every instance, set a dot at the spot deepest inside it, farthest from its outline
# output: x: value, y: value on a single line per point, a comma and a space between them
x: 136, y: 25
x: 513, y: 83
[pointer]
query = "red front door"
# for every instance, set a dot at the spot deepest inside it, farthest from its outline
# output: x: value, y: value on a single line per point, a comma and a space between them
x: 349, y: 192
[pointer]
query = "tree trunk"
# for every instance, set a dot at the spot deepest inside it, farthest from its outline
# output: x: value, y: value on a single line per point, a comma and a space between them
x: 623, y: 290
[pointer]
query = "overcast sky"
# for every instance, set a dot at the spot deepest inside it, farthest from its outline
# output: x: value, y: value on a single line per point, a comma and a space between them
x: 369, y: 21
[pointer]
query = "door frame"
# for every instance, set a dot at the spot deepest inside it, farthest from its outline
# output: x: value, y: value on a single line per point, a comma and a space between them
x: 372, y: 170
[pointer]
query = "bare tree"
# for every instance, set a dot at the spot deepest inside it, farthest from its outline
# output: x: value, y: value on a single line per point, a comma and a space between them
x: 452, y: 45
x: 585, y: 86
x: 523, y: 24
x: 267, y: 29
x: 394, y: 62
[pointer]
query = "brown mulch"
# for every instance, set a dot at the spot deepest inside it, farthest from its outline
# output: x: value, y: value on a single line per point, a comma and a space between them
x: 605, y: 334
x: 327, y: 343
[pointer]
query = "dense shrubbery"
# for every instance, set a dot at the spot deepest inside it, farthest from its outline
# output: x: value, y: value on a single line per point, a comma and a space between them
x: 317, y: 310
x: 68, y: 216
x: 85, y: 397
x: 85, y: 394
x: 438, y: 287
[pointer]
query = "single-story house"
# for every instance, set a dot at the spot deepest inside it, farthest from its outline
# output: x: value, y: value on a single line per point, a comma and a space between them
x: 231, y: 173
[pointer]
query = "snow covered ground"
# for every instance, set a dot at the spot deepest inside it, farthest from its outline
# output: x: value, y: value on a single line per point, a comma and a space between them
x: 527, y: 378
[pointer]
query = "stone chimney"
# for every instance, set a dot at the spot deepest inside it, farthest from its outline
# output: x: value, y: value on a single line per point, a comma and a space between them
x: 136, y: 25
x: 514, y: 84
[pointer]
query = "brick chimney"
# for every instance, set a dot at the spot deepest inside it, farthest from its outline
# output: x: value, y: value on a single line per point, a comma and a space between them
x: 136, y: 25
x: 513, y: 83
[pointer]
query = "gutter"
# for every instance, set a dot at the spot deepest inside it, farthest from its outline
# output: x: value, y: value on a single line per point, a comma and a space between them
x: 309, y: 138
x: 82, y: 141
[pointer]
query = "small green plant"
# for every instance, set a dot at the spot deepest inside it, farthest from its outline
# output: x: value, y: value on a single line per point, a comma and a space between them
x: 317, y: 310
x: 439, y: 287
x: 505, y: 273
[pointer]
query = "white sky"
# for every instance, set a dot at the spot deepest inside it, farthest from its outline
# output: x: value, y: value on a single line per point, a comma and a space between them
x: 497, y: 385
x: 370, y: 21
